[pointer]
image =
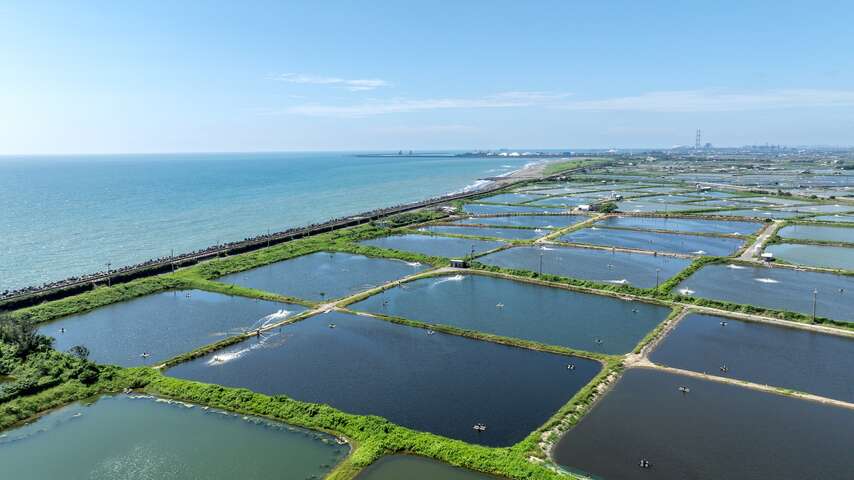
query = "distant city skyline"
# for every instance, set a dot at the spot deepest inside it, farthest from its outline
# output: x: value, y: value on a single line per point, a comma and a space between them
x: 89, y: 77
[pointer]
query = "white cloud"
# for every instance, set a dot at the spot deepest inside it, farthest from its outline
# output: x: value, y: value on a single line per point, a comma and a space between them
x: 402, y: 105
x: 354, y: 85
x: 717, y: 101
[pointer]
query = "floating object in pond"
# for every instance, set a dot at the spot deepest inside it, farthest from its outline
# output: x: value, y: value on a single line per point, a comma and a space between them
x: 684, y: 389
x: 644, y: 463
x: 723, y: 323
x: 144, y: 354
x: 599, y: 341
x: 62, y: 330
x: 724, y: 368
x: 188, y: 295
x: 634, y: 310
x: 480, y: 427
x: 430, y: 332
x: 686, y: 291
x: 499, y: 305
x: 331, y: 325
x: 571, y: 366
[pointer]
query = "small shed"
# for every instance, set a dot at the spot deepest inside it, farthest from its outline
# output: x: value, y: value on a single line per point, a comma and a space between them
x: 459, y: 263
x: 767, y: 257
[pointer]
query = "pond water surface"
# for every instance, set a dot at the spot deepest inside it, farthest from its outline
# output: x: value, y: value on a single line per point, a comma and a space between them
x: 817, y: 232
x: 643, y: 206
x: 531, y: 221
x: 141, y: 439
x: 554, y: 316
x: 439, y: 383
x: 636, y: 269
x: 761, y: 353
x: 835, y: 218
x: 659, y: 242
x: 505, y: 233
x: 717, y: 431
x: 480, y: 209
x: 756, y: 213
x: 323, y: 275
x: 410, y: 467
x: 683, y: 224
x: 777, y: 288
x: 434, y: 245
x: 162, y: 324
x: 814, y: 255
x: 511, y: 198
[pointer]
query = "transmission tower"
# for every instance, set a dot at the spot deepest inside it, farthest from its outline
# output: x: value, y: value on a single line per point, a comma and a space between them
x: 698, y: 141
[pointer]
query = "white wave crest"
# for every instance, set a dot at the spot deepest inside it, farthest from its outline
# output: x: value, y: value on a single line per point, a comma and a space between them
x: 736, y: 267
x: 686, y: 291
x: 455, y: 278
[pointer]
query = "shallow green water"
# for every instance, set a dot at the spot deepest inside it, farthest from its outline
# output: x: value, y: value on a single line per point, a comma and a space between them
x: 163, y: 325
x: 324, y: 275
x: 409, y: 467
x: 814, y: 255
x: 434, y: 245
x: 141, y: 439
x: 553, y: 316
x: 816, y: 232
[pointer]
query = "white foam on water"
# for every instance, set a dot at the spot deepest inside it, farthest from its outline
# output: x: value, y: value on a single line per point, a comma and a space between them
x: 766, y: 280
x: 225, y: 357
x: 547, y: 249
x: 736, y: 267
x: 271, y: 318
x: 594, y: 228
x: 622, y: 281
x: 699, y: 252
x: 455, y: 278
x: 686, y: 291
x: 413, y: 264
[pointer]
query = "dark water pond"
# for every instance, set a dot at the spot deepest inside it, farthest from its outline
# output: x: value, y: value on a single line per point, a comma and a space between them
x: 324, y: 275
x: 762, y: 353
x: 683, y: 224
x: 816, y: 232
x: 480, y: 209
x: 716, y: 431
x: 505, y: 233
x: 141, y: 439
x: 531, y: 221
x: 636, y: 269
x: 440, y: 383
x: 659, y: 242
x: 778, y: 288
x: 814, y: 255
x: 510, y: 308
x: 163, y: 325
x: 397, y: 467
x: 433, y: 245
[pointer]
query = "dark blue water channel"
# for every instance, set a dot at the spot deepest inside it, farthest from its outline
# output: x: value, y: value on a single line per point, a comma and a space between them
x: 549, y: 315
x: 434, y: 245
x: 659, y: 242
x: 717, y: 431
x: 440, y: 383
x: 163, y: 325
x: 777, y: 288
x: 324, y: 275
x: 638, y: 269
x: 762, y: 353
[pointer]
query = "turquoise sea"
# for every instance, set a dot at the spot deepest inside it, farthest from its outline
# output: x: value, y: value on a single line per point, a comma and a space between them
x: 62, y: 216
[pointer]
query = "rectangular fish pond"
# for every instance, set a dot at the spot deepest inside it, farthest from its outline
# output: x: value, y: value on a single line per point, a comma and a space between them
x: 814, y: 255
x: 324, y: 275
x: 756, y: 213
x: 835, y: 218
x: 640, y: 205
x: 163, y: 325
x: 410, y: 467
x: 510, y: 308
x: 481, y: 209
x: 140, y: 438
x: 689, y: 225
x: 434, y: 245
x: 653, y: 241
x: 638, y: 269
x: 414, y: 377
x: 529, y: 221
x: 761, y: 353
x: 777, y: 288
x: 715, y: 431
x: 494, y: 232
x: 511, y: 198
x: 817, y: 232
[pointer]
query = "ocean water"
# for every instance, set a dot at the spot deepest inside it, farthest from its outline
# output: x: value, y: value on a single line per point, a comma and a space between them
x: 69, y: 215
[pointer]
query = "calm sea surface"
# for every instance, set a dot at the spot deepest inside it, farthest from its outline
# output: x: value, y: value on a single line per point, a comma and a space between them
x: 69, y: 215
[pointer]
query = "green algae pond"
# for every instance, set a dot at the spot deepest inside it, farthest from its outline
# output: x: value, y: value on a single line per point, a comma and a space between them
x: 494, y: 232
x: 162, y: 325
x: 817, y: 232
x: 763, y: 353
x: 143, y: 439
x: 638, y: 269
x: 777, y: 288
x: 409, y: 467
x: 529, y: 221
x: 714, y: 431
x: 425, y: 380
x: 324, y: 275
x: 434, y: 245
x: 654, y: 241
x: 511, y: 308
x: 825, y: 256
x: 676, y: 224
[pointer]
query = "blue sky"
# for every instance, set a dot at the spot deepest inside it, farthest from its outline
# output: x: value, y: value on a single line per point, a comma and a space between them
x: 122, y: 76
